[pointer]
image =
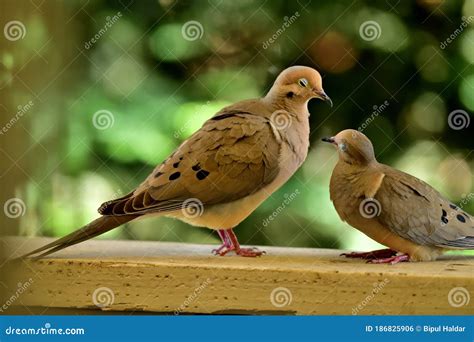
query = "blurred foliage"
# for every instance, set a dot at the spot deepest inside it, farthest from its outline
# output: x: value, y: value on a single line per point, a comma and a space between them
x: 160, y: 87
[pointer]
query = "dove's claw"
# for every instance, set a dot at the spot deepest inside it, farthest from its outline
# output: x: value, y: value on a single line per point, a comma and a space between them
x: 392, y: 260
x: 230, y: 243
x: 377, y: 254
x: 249, y: 252
x: 380, y: 256
x: 222, y: 250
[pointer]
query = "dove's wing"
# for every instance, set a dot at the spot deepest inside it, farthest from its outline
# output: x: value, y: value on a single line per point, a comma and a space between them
x: 414, y: 210
x: 233, y: 155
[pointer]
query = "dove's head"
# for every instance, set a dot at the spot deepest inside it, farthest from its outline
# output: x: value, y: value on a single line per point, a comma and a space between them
x: 353, y: 147
x: 298, y: 84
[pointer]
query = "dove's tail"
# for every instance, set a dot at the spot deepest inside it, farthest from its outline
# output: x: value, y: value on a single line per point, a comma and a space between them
x: 464, y: 243
x: 90, y: 230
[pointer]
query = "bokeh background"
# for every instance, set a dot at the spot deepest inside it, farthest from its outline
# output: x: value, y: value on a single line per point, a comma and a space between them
x: 95, y: 93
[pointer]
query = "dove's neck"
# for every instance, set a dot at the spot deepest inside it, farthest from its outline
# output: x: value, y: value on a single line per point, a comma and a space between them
x: 295, y: 126
x: 347, y: 169
x: 348, y: 182
x: 350, y: 178
x: 296, y: 107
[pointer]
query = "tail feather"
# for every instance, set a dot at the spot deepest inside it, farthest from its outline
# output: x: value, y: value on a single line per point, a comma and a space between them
x: 464, y: 243
x: 92, y: 229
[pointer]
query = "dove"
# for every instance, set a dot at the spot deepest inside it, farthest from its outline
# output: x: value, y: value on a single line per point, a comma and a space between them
x: 221, y: 173
x: 393, y: 208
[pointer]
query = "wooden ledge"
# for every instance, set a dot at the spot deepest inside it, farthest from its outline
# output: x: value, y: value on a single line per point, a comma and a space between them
x: 175, y: 278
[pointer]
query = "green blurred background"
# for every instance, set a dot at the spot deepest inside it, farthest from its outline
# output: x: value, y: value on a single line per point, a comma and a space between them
x: 115, y: 86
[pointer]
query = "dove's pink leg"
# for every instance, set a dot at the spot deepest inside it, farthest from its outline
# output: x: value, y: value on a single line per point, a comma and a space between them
x: 246, y: 252
x: 226, y: 244
x: 230, y: 243
x: 377, y: 254
x: 392, y: 260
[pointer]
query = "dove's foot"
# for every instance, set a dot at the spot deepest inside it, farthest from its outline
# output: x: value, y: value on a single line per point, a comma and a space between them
x: 230, y: 243
x: 377, y: 254
x: 250, y: 252
x: 245, y: 252
x: 222, y: 250
x: 392, y: 260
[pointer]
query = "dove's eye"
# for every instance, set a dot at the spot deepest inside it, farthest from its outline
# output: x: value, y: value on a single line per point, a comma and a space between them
x: 343, y: 147
x: 303, y: 82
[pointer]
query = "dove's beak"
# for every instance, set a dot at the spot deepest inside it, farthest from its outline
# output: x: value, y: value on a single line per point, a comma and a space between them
x: 330, y: 140
x: 323, y: 96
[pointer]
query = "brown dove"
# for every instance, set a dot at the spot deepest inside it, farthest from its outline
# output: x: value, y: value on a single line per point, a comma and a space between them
x: 394, y: 208
x: 220, y: 174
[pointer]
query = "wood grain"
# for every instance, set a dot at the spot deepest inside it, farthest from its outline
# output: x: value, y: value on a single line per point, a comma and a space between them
x: 174, y: 278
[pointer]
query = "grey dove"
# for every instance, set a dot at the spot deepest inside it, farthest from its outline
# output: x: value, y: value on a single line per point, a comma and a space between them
x: 392, y: 207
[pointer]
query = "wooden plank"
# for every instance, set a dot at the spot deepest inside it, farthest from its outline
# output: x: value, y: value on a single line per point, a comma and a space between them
x: 175, y: 278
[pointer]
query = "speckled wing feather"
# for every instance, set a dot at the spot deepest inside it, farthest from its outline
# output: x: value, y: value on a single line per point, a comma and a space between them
x: 415, y: 211
x: 233, y: 155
